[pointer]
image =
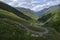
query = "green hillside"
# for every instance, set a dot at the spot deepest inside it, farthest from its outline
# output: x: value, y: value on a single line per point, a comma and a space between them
x: 54, y: 21
x: 6, y: 14
x: 12, y: 26
x: 51, y: 18
x: 28, y: 12
x: 49, y: 13
x: 13, y: 10
x: 10, y: 30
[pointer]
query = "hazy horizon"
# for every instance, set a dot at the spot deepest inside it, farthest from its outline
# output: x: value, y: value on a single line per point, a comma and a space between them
x: 35, y: 5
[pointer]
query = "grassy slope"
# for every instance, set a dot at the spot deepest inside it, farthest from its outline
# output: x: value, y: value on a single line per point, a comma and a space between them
x: 28, y: 13
x: 20, y: 16
x: 49, y: 14
x: 6, y: 14
x: 54, y: 21
x: 12, y: 31
x: 13, y: 10
x: 51, y: 19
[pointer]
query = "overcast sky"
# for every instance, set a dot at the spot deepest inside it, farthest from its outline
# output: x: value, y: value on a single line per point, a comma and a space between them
x: 35, y: 5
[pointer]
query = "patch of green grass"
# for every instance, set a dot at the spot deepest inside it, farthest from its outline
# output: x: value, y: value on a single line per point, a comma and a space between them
x: 6, y: 14
x: 11, y: 9
x: 28, y: 12
x: 12, y: 31
x: 9, y: 15
x: 54, y: 21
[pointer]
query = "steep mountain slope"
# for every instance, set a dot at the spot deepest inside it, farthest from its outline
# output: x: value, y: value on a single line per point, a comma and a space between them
x: 40, y: 13
x: 14, y: 27
x: 9, y: 28
x: 52, y: 18
x: 54, y: 21
x: 49, y: 13
x: 28, y: 12
x: 6, y: 14
x: 13, y: 10
x: 11, y: 31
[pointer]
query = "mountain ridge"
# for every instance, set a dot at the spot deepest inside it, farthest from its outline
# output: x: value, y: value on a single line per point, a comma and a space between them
x: 27, y: 12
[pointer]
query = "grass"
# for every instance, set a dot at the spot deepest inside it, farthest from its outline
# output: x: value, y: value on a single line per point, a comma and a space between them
x: 28, y: 12
x: 10, y: 15
x: 11, y: 9
x: 54, y: 21
x: 6, y: 14
x: 12, y: 31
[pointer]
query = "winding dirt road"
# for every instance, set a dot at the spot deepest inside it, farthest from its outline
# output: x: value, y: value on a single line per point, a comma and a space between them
x: 32, y: 31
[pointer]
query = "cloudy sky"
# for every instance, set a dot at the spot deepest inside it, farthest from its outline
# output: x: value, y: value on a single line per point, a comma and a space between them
x: 35, y: 5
